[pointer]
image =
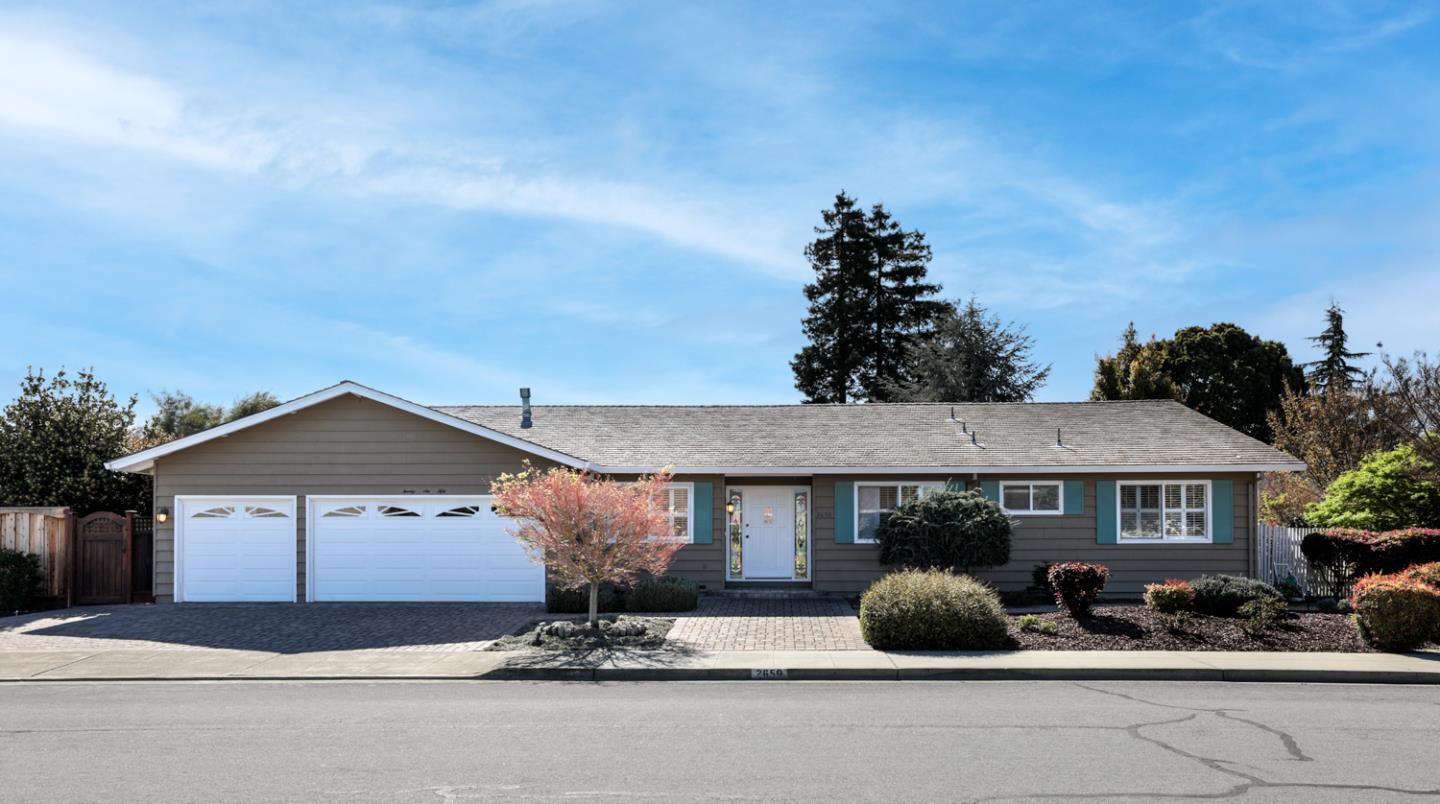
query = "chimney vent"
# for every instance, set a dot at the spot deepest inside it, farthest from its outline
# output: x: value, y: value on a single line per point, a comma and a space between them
x: 525, y: 408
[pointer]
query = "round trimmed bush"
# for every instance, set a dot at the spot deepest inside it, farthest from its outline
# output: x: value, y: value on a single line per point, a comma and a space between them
x: 954, y: 530
x: 1223, y: 595
x: 1424, y: 573
x: 1171, y: 597
x: 932, y: 610
x: 1077, y: 585
x: 1395, y: 612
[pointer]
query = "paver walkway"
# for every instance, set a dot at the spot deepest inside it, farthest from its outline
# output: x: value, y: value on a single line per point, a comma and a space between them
x: 769, y: 624
x: 268, y: 627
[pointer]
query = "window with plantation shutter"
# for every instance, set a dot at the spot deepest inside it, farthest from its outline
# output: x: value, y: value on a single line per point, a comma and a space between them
x: 1165, y: 512
x: 873, y: 500
x: 679, y: 502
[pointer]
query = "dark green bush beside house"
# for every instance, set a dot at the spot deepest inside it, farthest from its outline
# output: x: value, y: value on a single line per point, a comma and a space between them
x: 662, y: 594
x: 20, y: 579
x: 953, y: 530
x: 577, y: 601
x: 932, y: 610
x: 1223, y: 595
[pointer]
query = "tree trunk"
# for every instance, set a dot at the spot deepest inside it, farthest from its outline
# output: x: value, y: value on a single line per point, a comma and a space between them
x: 594, y: 605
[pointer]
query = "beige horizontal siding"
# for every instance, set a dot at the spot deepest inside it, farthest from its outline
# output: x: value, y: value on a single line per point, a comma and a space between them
x: 345, y: 446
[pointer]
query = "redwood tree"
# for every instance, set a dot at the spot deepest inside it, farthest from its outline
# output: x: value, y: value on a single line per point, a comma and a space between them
x: 587, y: 529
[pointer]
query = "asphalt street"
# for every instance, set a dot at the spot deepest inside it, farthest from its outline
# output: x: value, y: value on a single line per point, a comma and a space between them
x: 717, y: 741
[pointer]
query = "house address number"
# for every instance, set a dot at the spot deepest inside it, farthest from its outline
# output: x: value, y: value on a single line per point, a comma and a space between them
x: 769, y: 673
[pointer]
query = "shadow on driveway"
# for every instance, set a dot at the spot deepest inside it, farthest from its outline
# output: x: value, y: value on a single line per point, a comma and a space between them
x: 271, y: 627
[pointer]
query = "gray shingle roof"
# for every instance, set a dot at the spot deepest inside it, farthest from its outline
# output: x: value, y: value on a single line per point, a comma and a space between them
x: 1095, y: 434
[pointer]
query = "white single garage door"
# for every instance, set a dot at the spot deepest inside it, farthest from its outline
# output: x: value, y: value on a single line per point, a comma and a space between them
x: 417, y: 548
x: 234, y: 549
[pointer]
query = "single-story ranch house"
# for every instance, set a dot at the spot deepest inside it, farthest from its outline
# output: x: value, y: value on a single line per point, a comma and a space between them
x: 353, y: 494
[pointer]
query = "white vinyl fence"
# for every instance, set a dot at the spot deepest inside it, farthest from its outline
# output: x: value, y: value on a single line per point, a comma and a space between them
x: 1280, y: 557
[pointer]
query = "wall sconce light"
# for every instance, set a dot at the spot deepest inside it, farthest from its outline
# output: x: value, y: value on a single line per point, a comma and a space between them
x: 729, y: 508
x: 162, y: 516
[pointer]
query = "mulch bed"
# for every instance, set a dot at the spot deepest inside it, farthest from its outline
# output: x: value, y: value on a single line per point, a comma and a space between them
x: 1139, y: 628
x: 536, y: 637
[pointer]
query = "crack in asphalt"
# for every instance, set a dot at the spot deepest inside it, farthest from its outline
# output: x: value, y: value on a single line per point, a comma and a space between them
x: 1246, y: 781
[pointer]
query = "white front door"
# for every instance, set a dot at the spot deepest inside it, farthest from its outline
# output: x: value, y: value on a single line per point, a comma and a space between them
x: 769, y: 524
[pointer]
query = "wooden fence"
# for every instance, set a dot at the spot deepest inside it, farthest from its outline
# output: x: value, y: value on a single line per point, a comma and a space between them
x: 46, y: 533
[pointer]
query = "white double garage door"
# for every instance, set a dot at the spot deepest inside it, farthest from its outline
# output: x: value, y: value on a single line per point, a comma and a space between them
x: 406, y: 548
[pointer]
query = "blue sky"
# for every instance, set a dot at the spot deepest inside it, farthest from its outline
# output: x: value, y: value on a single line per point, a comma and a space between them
x: 609, y: 202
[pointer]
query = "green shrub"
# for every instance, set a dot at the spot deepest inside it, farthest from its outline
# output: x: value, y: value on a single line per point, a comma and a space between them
x: 1078, y: 585
x: 20, y: 579
x: 577, y: 601
x: 952, y: 530
x: 1387, y: 491
x: 1170, y: 597
x: 662, y: 594
x: 1396, y: 613
x: 1223, y: 595
x: 1034, y: 623
x: 1040, y: 579
x: 932, y: 610
x: 1261, y: 614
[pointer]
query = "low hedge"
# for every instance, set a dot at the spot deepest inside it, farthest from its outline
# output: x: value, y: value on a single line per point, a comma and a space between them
x: 1171, y: 597
x: 932, y: 610
x: 1223, y: 595
x: 20, y: 579
x: 662, y: 594
x: 1077, y: 585
x: 1424, y: 573
x: 577, y: 601
x: 1346, y: 554
x: 1396, y: 612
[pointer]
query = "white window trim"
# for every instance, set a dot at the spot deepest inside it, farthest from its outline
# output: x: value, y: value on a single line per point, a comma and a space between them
x: 689, y: 509
x: 925, y: 485
x: 1208, y: 538
x: 1031, y: 484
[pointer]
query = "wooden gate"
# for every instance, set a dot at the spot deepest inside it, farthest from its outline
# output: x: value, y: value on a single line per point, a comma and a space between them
x: 102, y: 559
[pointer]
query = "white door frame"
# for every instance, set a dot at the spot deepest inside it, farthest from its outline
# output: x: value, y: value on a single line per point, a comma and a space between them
x: 182, y: 501
x: 809, y: 530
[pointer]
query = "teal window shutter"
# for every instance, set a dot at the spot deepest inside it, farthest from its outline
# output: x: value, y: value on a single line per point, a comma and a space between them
x: 845, y: 512
x: 1107, y: 530
x: 991, y: 490
x: 1222, y: 508
x: 704, y: 508
x: 1074, y: 497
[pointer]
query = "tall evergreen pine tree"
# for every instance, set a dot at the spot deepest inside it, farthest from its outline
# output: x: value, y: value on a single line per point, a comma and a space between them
x: 1334, y: 370
x: 869, y: 306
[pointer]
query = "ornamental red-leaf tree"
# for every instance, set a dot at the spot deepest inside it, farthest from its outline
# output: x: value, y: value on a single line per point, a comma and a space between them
x: 587, y: 529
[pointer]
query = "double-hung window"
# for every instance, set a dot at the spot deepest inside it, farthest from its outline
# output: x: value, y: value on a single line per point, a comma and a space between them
x: 1038, y: 498
x: 1153, y: 512
x: 679, y: 511
x: 875, y: 499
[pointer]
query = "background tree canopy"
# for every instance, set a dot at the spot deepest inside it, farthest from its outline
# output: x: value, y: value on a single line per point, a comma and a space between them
x: 972, y: 357
x: 1387, y: 491
x: 869, y: 305
x: 1221, y: 371
x: 177, y: 415
x: 55, y: 439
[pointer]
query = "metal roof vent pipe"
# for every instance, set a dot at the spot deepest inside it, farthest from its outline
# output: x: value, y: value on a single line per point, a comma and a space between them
x: 525, y: 408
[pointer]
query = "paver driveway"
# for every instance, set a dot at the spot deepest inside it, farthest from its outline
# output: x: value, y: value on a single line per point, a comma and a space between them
x: 271, y: 627
x: 763, y: 623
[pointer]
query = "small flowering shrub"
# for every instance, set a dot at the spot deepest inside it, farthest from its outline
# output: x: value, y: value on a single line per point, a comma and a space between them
x: 932, y: 610
x: 1077, y: 585
x: 1170, y: 597
x: 1395, y: 612
x: 1424, y: 573
x: 1223, y: 595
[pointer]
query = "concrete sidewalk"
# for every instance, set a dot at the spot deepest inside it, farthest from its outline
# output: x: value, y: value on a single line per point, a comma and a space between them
x: 131, y: 665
